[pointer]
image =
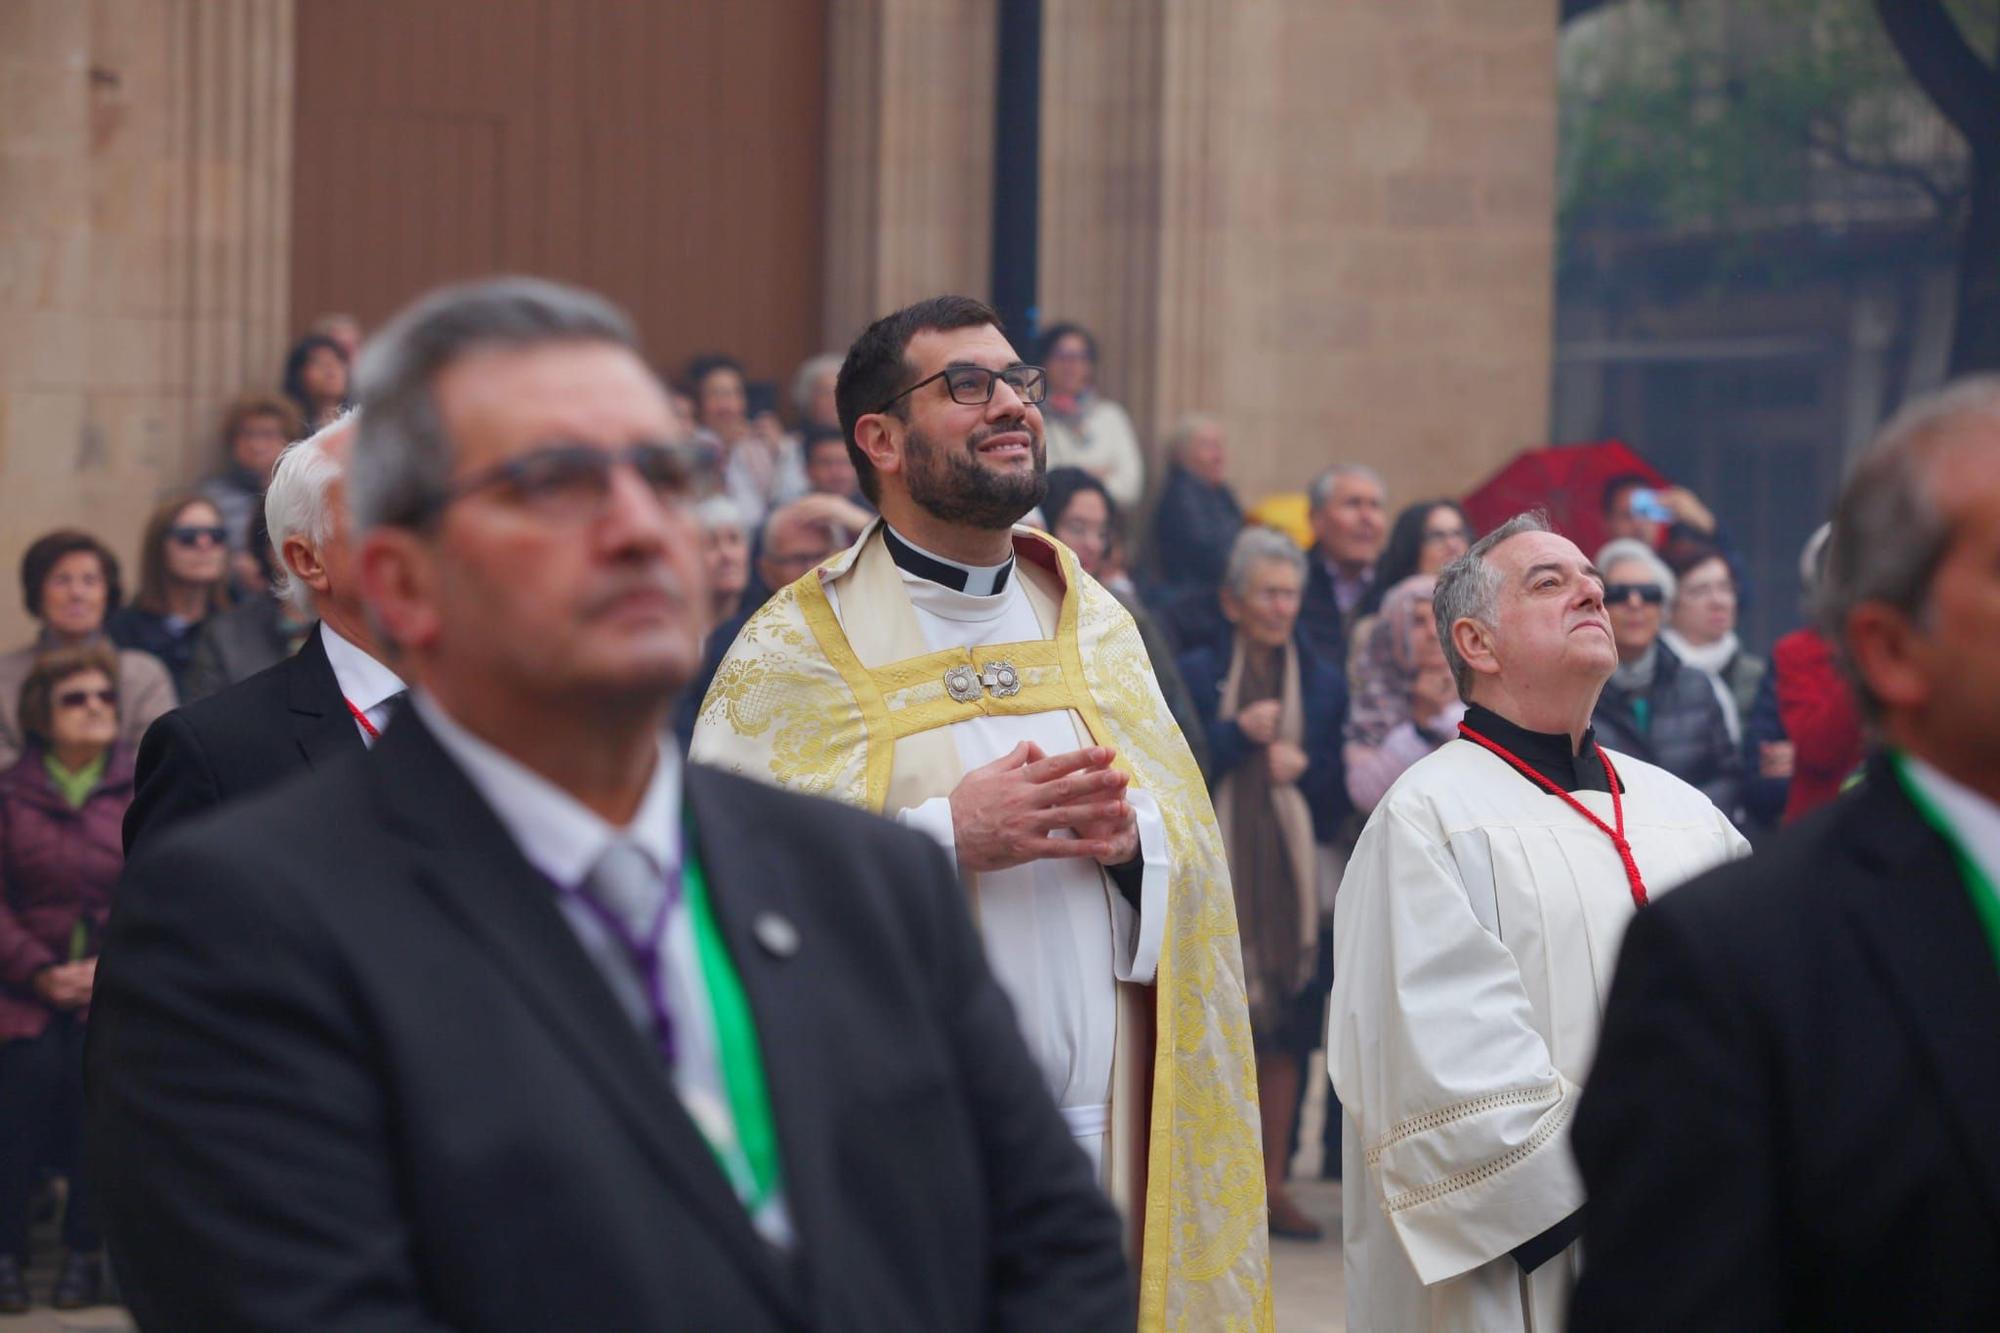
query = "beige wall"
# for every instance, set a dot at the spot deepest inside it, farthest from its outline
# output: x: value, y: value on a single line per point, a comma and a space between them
x: 145, y: 187
x: 1330, y: 222
x: 909, y: 143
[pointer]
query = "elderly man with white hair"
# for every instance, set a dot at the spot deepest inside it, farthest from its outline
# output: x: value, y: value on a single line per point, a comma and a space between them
x: 1656, y: 707
x: 333, y: 696
x: 1474, y: 935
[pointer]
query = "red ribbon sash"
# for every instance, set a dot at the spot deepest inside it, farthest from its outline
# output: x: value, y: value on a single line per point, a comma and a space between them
x: 1617, y: 835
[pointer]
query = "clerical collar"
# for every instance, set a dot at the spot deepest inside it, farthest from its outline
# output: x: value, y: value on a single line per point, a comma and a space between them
x: 977, y: 580
x: 1548, y: 753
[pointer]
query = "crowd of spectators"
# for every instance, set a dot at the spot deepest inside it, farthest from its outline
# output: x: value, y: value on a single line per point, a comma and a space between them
x: 1306, y: 681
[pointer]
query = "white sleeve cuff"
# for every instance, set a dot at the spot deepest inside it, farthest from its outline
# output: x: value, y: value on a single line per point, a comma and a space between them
x: 933, y: 817
x: 1136, y: 937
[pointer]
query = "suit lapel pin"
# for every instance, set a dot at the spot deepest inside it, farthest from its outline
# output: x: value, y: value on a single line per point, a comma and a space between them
x: 779, y: 937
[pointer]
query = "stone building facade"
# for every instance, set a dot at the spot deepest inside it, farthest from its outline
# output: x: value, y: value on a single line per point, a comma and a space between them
x: 1328, y: 223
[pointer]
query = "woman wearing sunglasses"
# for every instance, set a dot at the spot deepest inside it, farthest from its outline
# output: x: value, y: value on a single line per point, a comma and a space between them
x: 61, y: 806
x: 1655, y: 706
x: 183, y: 565
x: 69, y: 580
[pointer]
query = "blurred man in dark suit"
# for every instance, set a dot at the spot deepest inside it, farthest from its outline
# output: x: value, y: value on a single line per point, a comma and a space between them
x: 515, y: 1021
x: 330, y: 698
x: 1794, y: 1117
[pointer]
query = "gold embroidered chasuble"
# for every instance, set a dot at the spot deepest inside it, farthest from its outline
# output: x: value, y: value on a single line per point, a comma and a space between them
x: 852, y: 706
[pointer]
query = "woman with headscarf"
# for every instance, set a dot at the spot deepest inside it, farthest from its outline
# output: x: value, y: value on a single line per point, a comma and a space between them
x: 1402, y: 701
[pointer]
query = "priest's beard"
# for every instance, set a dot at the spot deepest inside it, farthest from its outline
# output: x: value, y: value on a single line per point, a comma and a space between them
x: 954, y: 486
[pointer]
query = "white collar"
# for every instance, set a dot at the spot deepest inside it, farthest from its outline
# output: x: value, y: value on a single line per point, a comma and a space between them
x: 557, y: 833
x: 980, y: 580
x: 365, y: 681
x: 1972, y: 816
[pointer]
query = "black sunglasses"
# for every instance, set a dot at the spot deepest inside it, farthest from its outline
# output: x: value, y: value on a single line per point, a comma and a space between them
x: 1652, y: 594
x: 190, y: 534
x: 571, y: 480
x: 972, y: 386
x: 78, y: 698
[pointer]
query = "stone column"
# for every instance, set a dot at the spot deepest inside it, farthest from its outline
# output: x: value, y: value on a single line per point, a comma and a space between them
x: 1330, y: 224
x: 909, y: 156
x: 145, y: 214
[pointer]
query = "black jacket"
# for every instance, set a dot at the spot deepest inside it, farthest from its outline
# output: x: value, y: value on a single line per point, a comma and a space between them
x: 1193, y: 529
x: 235, y: 645
x: 1683, y: 730
x: 1793, y: 1120
x: 1323, y: 627
x: 349, y: 1068
x: 258, y: 732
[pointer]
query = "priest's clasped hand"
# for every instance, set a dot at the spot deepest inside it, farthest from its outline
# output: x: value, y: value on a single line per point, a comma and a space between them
x: 1010, y: 811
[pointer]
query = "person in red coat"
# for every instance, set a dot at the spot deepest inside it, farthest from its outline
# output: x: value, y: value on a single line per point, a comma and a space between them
x: 61, y: 806
x: 1820, y: 718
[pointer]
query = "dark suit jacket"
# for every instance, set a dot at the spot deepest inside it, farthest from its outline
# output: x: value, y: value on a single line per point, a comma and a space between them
x: 1794, y: 1115
x: 235, y: 645
x: 349, y: 1068
x: 258, y: 732
x: 1322, y: 625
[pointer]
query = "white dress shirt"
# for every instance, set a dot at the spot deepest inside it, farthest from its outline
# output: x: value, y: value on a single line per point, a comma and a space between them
x: 368, y: 685
x: 564, y: 840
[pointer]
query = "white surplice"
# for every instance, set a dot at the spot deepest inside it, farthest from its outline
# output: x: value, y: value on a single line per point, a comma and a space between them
x: 1475, y: 935
x: 1058, y: 936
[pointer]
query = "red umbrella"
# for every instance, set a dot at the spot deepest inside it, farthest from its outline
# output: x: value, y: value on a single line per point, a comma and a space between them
x: 1565, y: 479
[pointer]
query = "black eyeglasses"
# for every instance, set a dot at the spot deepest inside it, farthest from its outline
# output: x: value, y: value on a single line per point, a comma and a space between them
x: 972, y: 386
x: 190, y: 534
x: 78, y: 698
x: 1616, y: 594
x: 569, y: 481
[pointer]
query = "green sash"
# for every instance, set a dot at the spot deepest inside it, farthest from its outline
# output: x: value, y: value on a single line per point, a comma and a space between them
x: 1985, y: 898
x: 751, y: 1162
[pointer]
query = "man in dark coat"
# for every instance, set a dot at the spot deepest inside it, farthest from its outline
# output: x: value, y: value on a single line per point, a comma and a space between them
x: 1793, y: 1120
x: 518, y: 1022
x: 1198, y: 515
x: 330, y: 698
x: 1350, y: 525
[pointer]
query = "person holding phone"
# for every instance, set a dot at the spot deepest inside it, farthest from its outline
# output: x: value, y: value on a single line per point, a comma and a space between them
x: 1660, y: 516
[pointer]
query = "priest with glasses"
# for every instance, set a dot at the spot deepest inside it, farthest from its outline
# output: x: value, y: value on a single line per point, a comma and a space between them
x: 966, y: 677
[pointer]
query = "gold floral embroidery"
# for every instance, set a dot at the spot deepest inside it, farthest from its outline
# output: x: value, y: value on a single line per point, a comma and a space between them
x: 793, y: 706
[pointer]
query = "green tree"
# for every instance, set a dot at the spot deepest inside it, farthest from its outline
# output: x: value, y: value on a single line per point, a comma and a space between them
x: 1737, y: 117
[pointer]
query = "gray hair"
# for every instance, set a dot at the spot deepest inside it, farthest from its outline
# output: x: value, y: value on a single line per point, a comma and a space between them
x: 1185, y: 429
x: 402, y: 461
x: 1889, y: 533
x: 296, y: 505
x: 826, y: 363
x: 1631, y: 548
x: 1322, y: 486
x: 1257, y: 545
x: 719, y: 511
x: 1469, y: 589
